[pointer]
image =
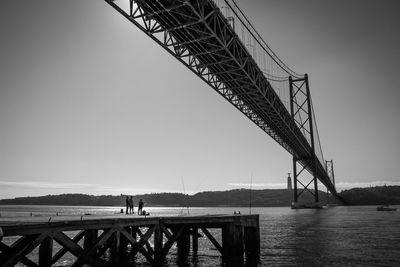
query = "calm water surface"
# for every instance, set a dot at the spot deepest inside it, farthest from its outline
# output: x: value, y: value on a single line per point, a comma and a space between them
x: 336, y: 236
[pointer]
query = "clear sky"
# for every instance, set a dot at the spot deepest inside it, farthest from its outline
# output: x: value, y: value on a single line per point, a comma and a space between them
x: 89, y: 104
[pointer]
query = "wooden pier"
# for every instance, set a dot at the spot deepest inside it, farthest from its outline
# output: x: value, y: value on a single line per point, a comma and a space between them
x: 117, y: 240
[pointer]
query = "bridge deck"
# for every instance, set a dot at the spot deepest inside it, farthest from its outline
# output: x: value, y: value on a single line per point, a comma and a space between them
x: 200, y: 37
x: 205, y: 34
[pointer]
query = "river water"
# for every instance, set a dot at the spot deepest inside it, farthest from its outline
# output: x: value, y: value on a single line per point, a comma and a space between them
x: 335, y: 236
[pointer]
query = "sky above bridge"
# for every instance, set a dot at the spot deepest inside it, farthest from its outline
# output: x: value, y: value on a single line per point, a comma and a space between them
x: 89, y: 104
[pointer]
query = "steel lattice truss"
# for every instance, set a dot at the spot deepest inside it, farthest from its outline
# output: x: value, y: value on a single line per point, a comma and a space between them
x: 197, y: 34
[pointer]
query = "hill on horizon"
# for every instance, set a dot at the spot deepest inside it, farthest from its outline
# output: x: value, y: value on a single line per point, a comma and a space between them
x: 236, y: 197
x: 379, y: 195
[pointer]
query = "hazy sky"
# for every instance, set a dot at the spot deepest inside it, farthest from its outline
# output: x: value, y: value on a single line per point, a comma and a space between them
x: 90, y: 104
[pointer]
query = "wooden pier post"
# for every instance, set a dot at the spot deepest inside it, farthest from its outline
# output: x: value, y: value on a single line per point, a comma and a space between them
x: 158, y: 245
x: 134, y: 233
x: 46, y: 252
x: 116, y: 249
x: 124, y: 247
x: 252, y: 244
x: 195, y: 240
x: 183, y: 241
x: 90, y: 237
x: 232, y: 244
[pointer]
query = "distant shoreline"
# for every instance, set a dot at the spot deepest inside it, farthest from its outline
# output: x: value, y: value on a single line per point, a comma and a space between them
x: 379, y: 195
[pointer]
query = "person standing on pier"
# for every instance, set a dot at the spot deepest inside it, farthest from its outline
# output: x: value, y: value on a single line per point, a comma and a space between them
x: 127, y: 204
x: 140, y: 207
x: 131, y: 205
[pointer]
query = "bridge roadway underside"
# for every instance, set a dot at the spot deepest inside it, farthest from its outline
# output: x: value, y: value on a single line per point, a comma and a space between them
x: 200, y: 37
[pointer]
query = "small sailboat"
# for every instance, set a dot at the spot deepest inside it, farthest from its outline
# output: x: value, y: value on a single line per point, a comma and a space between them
x: 385, y: 208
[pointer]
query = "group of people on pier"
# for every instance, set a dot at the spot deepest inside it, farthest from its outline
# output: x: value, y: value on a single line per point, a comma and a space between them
x: 129, y: 206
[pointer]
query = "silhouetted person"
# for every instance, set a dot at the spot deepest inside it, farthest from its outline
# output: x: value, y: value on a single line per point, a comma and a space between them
x: 140, y: 207
x: 127, y: 204
x: 131, y: 205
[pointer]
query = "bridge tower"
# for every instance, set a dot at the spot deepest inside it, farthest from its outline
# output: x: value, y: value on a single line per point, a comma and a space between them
x: 329, y: 170
x: 331, y: 175
x: 302, y: 114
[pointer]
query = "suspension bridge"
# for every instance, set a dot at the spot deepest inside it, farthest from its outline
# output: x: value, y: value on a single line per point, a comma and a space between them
x: 217, y: 42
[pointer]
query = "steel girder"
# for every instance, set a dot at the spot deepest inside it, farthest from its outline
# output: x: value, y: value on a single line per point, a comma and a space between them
x: 197, y: 34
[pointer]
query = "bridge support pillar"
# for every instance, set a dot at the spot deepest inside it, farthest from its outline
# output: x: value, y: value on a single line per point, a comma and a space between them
x: 302, y: 114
